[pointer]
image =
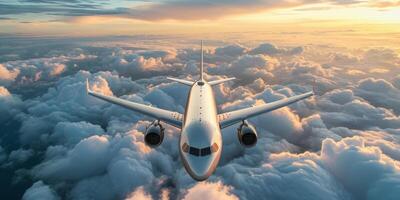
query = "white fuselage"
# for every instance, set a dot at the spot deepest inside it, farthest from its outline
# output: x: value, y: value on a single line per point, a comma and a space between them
x: 200, y: 142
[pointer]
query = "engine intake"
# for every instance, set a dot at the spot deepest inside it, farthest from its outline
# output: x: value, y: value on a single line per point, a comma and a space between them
x: 247, y: 134
x: 154, y: 134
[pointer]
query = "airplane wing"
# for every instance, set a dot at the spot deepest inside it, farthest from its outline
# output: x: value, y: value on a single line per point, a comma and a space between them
x: 169, y: 117
x: 230, y: 118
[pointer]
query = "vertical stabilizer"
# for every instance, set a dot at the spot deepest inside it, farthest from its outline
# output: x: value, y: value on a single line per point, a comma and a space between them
x: 201, y: 62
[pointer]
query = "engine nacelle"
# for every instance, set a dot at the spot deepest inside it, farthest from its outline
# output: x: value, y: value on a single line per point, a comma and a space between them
x: 247, y: 134
x: 154, y: 134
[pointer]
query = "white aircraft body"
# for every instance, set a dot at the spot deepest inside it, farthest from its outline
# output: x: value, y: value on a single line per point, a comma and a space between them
x: 200, y: 143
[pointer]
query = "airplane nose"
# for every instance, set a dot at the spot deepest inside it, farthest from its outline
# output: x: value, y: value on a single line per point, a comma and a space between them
x: 200, y: 167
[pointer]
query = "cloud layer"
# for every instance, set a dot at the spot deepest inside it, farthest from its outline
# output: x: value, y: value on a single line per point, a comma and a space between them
x: 342, y: 144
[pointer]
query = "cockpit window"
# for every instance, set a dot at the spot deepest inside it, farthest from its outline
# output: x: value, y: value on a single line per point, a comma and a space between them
x: 194, y: 151
x: 199, y: 152
x: 205, y: 151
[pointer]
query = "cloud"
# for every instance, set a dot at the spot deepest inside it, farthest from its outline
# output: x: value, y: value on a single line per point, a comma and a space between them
x: 368, y: 164
x: 379, y: 92
x: 359, y: 115
x: 40, y: 191
x: 205, y: 190
x: 385, y: 4
x: 249, y: 67
x: 381, y: 56
x: 7, y: 76
x: 56, y: 8
x: 139, y: 194
x: 10, y: 105
x: 234, y: 50
x: 70, y: 133
x: 396, y: 81
x: 39, y: 69
x: 344, y: 59
x: 84, y: 148
x: 89, y: 157
x: 20, y: 155
x: 328, y: 175
x: 153, y: 11
x: 270, y: 49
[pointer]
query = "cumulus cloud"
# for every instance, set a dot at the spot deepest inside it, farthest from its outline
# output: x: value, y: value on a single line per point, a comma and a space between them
x: 36, y: 69
x: 20, y: 155
x: 205, y: 190
x: 10, y: 105
x: 40, y: 191
x: 249, y: 67
x: 70, y: 133
x: 139, y: 194
x: 326, y: 175
x: 70, y: 145
x: 368, y: 164
x: 7, y: 76
x: 89, y: 157
x: 234, y: 50
x: 379, y: 92
x: 270, y: 49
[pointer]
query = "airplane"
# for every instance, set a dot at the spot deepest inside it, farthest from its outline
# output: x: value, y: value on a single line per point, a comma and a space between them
x: 200, y: 142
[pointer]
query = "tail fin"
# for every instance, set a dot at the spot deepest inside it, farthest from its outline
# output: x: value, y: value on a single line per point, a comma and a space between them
x: 201, y: 62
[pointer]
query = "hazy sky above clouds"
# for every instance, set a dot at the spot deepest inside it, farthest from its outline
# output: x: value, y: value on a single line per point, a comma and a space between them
x: 127, y: 17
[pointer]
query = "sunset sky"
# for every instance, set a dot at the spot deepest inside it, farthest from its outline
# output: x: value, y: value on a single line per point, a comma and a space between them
x: 111, y: 17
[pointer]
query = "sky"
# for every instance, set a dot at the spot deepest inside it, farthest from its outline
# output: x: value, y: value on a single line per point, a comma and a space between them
x: 58, y: 143
x: 126, y: 17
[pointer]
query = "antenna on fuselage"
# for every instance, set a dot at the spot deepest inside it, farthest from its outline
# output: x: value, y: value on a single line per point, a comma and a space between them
x: 201, y: 61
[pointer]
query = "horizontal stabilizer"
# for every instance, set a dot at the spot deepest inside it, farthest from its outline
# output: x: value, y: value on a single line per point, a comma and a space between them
x: 220, y: 81
x: 185, y: 82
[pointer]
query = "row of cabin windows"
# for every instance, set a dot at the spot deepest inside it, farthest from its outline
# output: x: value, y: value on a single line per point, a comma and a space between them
x: 199, y: 152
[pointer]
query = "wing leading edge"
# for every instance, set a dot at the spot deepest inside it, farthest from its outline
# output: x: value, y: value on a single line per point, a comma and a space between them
x: 169, y: 117
x: 230, y: 118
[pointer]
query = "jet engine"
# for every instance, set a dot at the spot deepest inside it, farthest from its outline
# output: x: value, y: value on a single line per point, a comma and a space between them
x: 154, y: 134
x: 247, y: 134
